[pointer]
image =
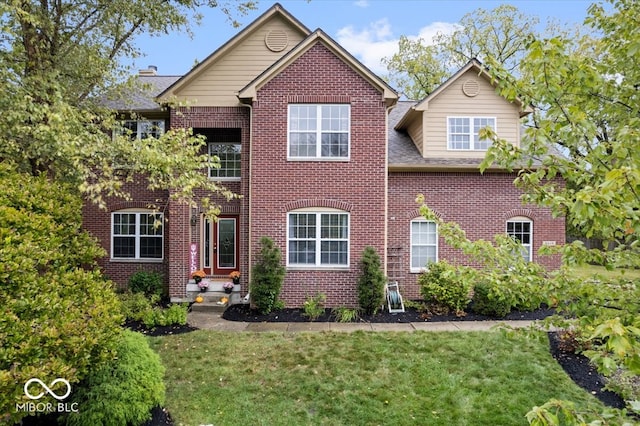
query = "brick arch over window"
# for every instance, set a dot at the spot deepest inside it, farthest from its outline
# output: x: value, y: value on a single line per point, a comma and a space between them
x: 323, y: 202
x: 142, y: 205
x: 520, y: 213
x: 415, y: 214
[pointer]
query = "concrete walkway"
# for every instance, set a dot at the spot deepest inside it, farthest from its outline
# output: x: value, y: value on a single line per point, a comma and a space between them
x: 214, y: 321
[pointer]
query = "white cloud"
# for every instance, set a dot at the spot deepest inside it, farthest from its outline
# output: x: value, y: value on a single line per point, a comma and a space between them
x: 362, y: 3
x: 377, y: 41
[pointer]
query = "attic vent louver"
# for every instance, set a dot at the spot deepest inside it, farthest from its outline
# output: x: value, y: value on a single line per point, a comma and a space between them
x: 471, y: 88
x: 276, y: 40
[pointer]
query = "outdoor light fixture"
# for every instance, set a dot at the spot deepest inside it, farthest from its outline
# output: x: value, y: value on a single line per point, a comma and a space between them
x: 194, y: 220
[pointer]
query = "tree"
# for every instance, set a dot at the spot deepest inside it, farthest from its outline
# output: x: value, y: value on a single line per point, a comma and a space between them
x: 58, y: 59
x: 422, y: 65
x: 585, y: 127
x: 416, y: 69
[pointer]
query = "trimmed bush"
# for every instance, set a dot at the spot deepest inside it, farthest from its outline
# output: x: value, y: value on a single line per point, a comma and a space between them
x: 445, y: 286
x: 60, y: 317
x: 124, y: 391
x: 148, y: 283
x: 488, y: 301
x: 267, y: 276
x: 371, y: 282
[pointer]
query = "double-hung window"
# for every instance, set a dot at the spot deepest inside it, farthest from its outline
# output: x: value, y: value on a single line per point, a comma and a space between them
x: 142, y: 129
x: 319, y: 131
x: 424, y: 244
x: 463, y: 132
x: 229, y: 156
x: 137, y: 235
x: 521, y: 230
x: 318, y: 239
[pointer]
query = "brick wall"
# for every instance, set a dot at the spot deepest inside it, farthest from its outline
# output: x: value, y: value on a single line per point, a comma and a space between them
x: 356, y: 186
x: 97, y: 222
x: 480, y: 204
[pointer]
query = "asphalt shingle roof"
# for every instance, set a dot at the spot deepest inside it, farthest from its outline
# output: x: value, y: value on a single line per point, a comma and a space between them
x: 142, y: 96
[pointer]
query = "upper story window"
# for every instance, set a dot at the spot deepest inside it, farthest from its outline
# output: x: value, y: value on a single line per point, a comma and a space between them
x: 318, y: 238
x: 137, y: 235
x: 319, y: 131
x: 142, y: 129
x: 229, y: 156
x: 462, y: 132
x: 226, y: 144
x: 521, y: 230
x: 424, y: 244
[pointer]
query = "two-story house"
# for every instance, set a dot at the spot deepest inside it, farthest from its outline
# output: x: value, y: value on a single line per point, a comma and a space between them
x: 327, y: 161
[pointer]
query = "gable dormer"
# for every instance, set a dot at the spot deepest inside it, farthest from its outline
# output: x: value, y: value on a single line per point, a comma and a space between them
x: 217, y: 80
x: 445, y: 124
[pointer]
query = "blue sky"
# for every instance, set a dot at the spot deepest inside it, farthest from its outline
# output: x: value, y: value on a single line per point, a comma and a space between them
x: 368, y: 29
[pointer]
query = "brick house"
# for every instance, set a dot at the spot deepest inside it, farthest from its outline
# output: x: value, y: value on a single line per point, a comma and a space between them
x: 327, y: 161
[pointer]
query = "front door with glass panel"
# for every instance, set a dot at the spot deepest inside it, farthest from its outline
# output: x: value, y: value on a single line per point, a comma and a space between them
x: 220, y: 245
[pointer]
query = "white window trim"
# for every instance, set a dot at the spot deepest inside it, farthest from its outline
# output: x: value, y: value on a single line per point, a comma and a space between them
x: 317, y: 265
x: 137, y: 236
x: 423, y: 220
x: 523, y: 219
x: 318, y: 156
x: 224, y: 178
x: 471, y: 132
x: 154, y: 123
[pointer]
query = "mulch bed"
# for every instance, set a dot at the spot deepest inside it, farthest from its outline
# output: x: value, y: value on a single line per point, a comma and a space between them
x: 244, y: 313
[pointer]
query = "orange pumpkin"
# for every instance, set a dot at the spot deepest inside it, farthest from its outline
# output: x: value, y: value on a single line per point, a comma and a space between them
x: 199, y: 299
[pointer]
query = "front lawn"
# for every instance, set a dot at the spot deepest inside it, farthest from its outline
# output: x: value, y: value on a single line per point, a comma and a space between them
x: 588, y: 271
x: 457, y: 378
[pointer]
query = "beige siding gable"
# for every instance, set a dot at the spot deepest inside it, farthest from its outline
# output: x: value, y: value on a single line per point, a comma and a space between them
x: 219, y: 82
x: 470, y: 95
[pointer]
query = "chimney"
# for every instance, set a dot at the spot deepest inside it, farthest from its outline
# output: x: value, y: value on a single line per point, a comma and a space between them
x: 150, y: 71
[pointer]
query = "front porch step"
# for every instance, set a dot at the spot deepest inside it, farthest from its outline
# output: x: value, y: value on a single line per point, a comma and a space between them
x: 209, y: 296
x: 211, y: 307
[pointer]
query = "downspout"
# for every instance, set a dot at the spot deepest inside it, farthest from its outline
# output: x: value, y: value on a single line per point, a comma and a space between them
x: 247, y: 297
x: 386, y: 186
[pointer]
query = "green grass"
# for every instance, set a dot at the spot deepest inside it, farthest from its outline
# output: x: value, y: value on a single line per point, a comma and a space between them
x: 461, y: 378
x: 587, y: 271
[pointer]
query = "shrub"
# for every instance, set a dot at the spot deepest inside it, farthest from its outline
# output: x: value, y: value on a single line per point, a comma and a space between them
x: 138, y: 307
x: 135, y: 305
x: 123, y: 391
x: 267, y: 276
x: 157, y: 316
x: 371, y: 282
x: 176, y: 313
x: 446, y: 286
x: 488, y: 300
x: 59, y: 316
x: 313, y: 307
x: 148, y: 283
x: 344, y: 314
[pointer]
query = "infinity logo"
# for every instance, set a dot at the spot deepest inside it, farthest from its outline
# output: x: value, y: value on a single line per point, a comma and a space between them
x: 47, y: 389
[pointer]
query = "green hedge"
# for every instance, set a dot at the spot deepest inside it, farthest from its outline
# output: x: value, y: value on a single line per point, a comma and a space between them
x: 60, y: 317
x: 124, y: 391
